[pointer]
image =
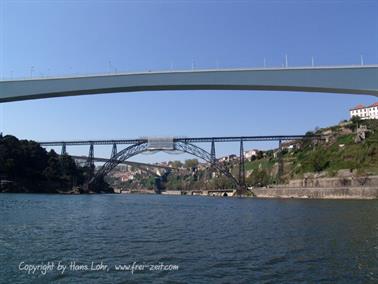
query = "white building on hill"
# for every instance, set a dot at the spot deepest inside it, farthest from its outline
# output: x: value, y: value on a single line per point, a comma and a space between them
x: 250, y: 153
x: 365, y: 112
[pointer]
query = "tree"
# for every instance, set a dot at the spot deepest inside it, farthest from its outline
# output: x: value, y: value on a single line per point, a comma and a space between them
x: 191, y: 163
x: 52, y: 171
x: 318, y: 161
x: 32, y: 167
x: 373, y: 150
x: 176, y: 164
x: 258, y: 178
x: 260, y: 155
x: 269, y: 153
x: 355, y: 120
x: 222, y: 182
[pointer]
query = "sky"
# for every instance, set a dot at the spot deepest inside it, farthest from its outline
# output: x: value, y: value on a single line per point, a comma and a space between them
x: 49, y: 38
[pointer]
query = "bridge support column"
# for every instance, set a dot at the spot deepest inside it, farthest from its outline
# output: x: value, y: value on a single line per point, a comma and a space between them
x: 241, y: 166
x: 64, y: 151
x: 114, y: 151
x: 90, y: 162
x: 212, y: 152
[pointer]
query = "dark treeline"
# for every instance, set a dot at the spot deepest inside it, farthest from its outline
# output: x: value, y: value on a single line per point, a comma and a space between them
x: 27, y: 167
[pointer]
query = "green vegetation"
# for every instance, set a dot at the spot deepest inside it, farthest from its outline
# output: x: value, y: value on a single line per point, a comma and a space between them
x: 27, y: 167
x: 341, y: 152
x: 191, y: 163
x: 259, y: 178
x: 260, y: 164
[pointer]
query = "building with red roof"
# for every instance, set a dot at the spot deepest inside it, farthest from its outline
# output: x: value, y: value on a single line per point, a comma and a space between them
x: 358, y: 107
x: 365, y: 112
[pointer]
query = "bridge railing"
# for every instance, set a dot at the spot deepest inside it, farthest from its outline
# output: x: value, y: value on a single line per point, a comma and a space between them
x: 44, y: 75
x: 185, y: 140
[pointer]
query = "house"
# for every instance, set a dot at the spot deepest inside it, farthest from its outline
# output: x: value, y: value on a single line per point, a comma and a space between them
x: 127, y: 176
x: 365, y: 112
x: 228, y: 158
x: 291, y: 145
x: 251, y: 153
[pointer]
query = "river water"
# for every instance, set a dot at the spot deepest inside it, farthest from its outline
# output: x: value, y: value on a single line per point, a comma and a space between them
x: 186, y: 239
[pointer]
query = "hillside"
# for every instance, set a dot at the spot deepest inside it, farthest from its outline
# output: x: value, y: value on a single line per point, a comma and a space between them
x: 339, y: 152
x: 26, y: 167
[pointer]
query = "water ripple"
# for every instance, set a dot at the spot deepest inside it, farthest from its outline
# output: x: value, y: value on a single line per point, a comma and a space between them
x: 212, y: 240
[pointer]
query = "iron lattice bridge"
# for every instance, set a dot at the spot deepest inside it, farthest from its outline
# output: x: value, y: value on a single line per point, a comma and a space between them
x: 183, y: 144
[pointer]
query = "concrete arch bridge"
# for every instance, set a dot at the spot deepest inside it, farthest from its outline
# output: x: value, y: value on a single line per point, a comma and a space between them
x: 328, y: 79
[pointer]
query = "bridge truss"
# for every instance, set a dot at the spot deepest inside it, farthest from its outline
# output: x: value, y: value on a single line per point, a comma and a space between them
x: 185, y: 144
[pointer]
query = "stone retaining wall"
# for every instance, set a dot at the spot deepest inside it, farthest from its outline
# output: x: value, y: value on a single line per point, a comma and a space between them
x: 318, y: 193
x: 346, y: 181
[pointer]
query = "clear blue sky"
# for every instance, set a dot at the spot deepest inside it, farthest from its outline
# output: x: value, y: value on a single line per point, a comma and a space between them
x: 67, y: 37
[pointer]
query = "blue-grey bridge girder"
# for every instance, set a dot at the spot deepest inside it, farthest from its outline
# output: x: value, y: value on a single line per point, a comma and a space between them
x: 183, y: 139
x: 330, y: 79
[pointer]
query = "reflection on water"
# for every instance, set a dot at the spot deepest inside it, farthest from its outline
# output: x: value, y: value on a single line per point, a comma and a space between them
x: 225, y: 240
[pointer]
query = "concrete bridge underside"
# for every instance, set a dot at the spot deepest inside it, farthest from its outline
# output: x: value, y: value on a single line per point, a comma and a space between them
x: 342, y: 79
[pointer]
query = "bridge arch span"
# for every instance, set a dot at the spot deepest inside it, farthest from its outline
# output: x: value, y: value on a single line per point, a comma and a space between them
x: 139, y: 148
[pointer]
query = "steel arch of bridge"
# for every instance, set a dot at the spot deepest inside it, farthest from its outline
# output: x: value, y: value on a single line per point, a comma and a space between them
x: 140, y: 166
x: 139, y: 148
x: 121, y: 156
x: 208, y: 157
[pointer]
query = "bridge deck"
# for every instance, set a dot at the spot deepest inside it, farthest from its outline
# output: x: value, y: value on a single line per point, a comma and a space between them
x: 334, y: 79
x: 184, y: 139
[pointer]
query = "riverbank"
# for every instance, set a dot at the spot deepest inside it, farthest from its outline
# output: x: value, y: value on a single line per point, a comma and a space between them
x: 345, y: 193
x: 342, y: 193
x: 47, y: 187
x: 362, y: 193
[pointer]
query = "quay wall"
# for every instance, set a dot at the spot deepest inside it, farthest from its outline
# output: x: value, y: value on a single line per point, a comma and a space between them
x: 318, y: 193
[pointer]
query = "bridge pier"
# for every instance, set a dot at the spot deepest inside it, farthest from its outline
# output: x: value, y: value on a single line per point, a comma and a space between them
x: 64, y: 151
x: 241, y: 166
x: 90, y: 162
x: 212, y: 152
x: 114, y: 151
x: 212, y: 168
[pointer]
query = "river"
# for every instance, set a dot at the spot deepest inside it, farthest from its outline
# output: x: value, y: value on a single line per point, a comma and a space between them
x: 186, y: 239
